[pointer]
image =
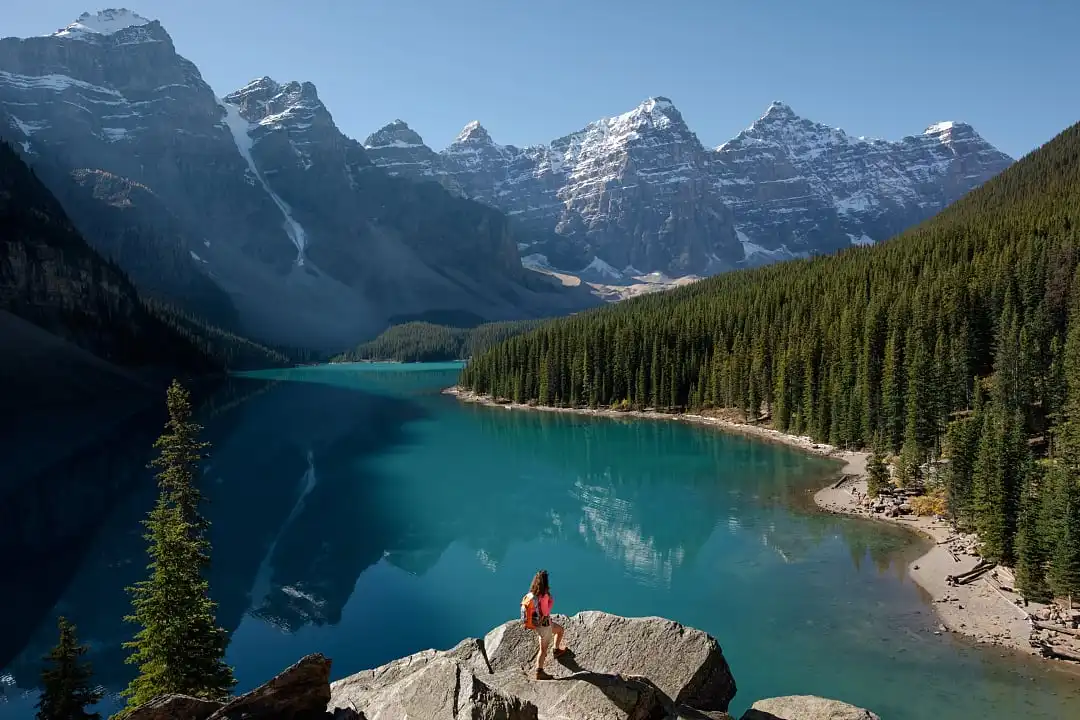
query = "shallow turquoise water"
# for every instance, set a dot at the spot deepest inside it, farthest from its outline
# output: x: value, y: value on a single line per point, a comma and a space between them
x: 360, y: 513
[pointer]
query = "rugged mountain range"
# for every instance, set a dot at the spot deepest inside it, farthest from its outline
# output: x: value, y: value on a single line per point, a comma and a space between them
x: 638, y: 193
x: 253, y: 209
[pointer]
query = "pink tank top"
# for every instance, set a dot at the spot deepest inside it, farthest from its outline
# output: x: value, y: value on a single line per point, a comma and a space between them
x: 546, y: 601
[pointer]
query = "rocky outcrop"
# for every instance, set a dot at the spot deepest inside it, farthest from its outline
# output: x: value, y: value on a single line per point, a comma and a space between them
x: 299, y: 693
x: 806, y: 707
x: 638, y: 193
x: 176, y: 707
x: 620, y: 668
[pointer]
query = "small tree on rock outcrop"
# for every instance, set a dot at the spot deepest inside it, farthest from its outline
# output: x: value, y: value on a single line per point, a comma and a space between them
x: 179, y: 648
x: 66, y: 690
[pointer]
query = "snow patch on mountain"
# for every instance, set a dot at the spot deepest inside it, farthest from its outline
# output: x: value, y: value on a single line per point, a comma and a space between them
x: 241, y: 129
x: 58, y: 83
x: 938, y: 128
x: 28, y: 128
x: 105, y: 22
x: 598, y: 266
x: 863, y: 239
x: 536, y: 261
x: 394, y: 144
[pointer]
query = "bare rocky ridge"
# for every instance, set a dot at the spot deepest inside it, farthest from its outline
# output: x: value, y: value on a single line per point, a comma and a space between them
x: 620, y: 669
x: 638, y: 193
x: 257, y: 192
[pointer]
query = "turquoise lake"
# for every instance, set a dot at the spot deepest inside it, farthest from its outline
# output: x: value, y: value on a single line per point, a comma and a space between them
x: 358, y: 512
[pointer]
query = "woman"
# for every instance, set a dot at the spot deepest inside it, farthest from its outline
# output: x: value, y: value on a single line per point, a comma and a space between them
x: 538, y: 603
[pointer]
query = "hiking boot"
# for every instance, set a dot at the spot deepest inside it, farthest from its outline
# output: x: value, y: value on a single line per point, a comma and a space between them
x: 560, y: 653
x: 541, y: 674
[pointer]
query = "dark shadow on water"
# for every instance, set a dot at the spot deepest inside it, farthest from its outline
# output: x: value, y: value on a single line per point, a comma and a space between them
x: 286, y: 482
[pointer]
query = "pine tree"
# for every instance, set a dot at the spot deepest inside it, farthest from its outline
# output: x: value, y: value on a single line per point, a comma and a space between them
x: 892, y: 392
x: 1032, y: 548
x: 65, y: 681
x: 179, y: 647
x: 962, y: 446
x: 1064, y: 573
x: 877, y: 474
x: 988, y: 478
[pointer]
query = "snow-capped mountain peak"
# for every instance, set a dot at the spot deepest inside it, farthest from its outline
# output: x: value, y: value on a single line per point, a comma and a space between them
x: 269, y: 103
x: 658, y: 103
x: 638, y: 189
x: 951, y: 131
x: 397, y: 134
x: 104, y: 22
x: 657, y: 112
x: 939, y: 128
x: 474, y: 132
x: 778, y: 110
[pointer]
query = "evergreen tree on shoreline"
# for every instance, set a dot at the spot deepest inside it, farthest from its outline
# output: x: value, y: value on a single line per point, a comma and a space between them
x: 1032, y: 546
x: 877, y: 474
x: 65, y: 681
x: 179, y: 648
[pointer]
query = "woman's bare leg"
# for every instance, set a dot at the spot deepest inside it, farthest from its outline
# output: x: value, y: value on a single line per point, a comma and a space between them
x: 558, y: 631
x: 540, y: 656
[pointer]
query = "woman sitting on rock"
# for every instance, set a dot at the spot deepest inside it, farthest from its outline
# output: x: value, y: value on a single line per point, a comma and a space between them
x: 536, y: 613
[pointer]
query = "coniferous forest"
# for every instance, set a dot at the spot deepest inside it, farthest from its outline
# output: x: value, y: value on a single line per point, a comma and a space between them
x: 428, y: 342
x: 957, y: 340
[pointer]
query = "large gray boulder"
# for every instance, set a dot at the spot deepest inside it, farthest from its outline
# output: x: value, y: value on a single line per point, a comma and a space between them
x: 620, y: 668
x: 175, y: 707
x: 806, y: 707
x: 436, y: 687
x: 686, y: 664
x: 301, y: 692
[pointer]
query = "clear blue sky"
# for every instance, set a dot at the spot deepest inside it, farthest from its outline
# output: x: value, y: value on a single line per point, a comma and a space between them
x: 532, y: 70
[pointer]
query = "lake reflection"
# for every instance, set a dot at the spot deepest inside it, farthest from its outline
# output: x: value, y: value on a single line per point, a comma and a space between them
x: 358, y: 512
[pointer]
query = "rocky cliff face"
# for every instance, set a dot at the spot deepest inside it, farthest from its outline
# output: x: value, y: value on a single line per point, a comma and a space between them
x: 797, y: 187
x: 620, y: 669
x: 637, y: 193
x: 259, y: 192
x: 50, y: 277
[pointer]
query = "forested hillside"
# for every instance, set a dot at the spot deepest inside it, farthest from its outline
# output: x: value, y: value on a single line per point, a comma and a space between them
x: 427, y: 342
x: 52, y: 278
x: 959, y: 338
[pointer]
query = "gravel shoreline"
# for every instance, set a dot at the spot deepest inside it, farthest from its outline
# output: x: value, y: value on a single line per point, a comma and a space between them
x: 986, y: 610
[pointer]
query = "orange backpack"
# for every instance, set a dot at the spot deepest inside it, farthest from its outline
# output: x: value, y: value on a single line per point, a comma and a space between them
x: 530, y: 611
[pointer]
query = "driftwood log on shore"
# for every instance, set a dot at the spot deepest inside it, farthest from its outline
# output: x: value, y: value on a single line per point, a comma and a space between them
x: 1055, y: 628
x: 843, y: 479
x: 975, y: 573
x: 1054, y: 652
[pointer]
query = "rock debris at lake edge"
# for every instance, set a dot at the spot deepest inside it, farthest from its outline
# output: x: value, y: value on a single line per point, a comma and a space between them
x: 619, y: 669
x: 987, y: 609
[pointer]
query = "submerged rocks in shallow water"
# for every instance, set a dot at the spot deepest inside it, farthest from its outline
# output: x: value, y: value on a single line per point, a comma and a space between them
x: 806, y: 707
